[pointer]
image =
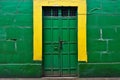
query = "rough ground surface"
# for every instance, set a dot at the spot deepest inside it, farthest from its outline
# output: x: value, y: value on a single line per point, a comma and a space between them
x: 58, y: 78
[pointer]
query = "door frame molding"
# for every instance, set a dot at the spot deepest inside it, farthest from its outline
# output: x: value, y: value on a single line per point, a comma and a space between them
x: 37, y: 25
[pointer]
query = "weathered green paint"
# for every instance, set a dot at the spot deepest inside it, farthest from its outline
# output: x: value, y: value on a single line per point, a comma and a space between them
x: 99, y: 69
x: 103, y: 17
x: 59, y: 43
x: 103, y: 36
x: 24, y: 70
x: 16, y: 44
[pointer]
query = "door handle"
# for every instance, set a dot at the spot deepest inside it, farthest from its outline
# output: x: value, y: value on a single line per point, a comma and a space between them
x: 61, y: 44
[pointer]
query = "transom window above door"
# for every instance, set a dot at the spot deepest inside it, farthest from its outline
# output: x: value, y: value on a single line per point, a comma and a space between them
x: 60, y: 11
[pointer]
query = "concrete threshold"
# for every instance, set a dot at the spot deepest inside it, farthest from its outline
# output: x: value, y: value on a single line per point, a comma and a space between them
x: 59, y: 78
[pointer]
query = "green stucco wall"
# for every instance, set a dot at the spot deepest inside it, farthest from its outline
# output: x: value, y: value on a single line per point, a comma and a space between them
x: 16, y: 43
x: 103, y: 39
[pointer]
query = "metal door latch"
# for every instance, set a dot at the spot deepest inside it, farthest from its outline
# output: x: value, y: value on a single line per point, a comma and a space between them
x: 61, y: 44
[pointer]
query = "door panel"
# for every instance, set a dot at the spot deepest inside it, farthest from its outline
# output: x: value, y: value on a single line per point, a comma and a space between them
x: 59, y: 41
x: 69, y: 51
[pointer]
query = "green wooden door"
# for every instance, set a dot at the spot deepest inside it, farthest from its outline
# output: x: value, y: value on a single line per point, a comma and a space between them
x: 59, y: 41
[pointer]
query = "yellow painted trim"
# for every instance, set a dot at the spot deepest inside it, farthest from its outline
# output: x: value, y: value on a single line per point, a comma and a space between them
x: 82, y: 48
x: 37, y: 32
x: 37, y: 39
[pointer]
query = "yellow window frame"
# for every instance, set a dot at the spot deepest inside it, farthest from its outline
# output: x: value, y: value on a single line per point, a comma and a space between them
x: 37, y: 25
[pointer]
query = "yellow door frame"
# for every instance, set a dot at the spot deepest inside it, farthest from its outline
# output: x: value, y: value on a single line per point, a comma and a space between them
x: 37, y: 25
